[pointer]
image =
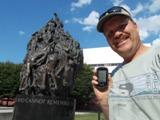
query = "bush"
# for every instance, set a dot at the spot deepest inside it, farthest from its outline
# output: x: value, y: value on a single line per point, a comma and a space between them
x: 9, y: 79
x: 83, y: 90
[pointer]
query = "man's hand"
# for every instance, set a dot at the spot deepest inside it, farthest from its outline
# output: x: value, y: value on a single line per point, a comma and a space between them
x: 102, y: 94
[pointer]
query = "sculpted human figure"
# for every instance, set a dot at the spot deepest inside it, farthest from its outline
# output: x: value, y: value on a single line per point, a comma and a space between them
x: 51, y: 63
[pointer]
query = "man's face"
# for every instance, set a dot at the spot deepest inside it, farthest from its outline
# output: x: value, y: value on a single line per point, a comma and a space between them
x: 122, y: 35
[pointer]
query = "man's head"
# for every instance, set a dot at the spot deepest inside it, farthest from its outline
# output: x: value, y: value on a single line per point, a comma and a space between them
x: 114, y: 11
x: 121, y: 31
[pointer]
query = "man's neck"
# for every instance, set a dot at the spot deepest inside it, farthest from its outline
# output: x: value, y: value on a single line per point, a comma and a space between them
x: 141, y: 49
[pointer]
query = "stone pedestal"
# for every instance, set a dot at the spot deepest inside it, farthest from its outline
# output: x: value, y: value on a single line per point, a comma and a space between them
x: 43, y: 108
x: 6, y: 113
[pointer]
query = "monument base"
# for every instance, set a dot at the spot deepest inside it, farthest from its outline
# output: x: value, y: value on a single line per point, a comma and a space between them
x: 43, y: 108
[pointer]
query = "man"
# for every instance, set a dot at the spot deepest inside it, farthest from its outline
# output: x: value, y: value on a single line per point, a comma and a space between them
x: 134, y: 86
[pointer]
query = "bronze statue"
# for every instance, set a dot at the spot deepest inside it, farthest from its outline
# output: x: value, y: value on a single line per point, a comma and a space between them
x: 52, y: 61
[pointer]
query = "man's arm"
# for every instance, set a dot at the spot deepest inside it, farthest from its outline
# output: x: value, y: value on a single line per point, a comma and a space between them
x: 102, y: 95
x: 105, y: 108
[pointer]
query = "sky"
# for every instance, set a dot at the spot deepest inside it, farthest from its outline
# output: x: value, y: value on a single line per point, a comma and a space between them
x: 19, y: 19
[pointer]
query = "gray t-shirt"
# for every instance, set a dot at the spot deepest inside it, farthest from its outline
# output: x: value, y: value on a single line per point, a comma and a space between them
x: 135, y: 94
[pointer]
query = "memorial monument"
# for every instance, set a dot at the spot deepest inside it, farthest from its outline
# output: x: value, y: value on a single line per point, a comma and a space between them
x: 48, y: 74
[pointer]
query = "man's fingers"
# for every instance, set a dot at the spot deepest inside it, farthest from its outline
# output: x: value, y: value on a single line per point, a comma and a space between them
x: 94, y: 72
x: 94, y: 80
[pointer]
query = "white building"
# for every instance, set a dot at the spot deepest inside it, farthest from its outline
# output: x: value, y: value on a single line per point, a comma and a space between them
x: 102, y: 56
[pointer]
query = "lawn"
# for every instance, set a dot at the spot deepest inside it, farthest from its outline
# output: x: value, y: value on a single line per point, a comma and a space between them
x: 88, y: 116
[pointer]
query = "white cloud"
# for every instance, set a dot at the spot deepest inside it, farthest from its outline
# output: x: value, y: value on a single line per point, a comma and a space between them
x: 66, y: 21
x: 21, y: 33
x: 138, y: 9
x: 79, y: 4
x: 154, y: 6
x: 150, y: 25
x: 143, y: 34
x: 92, y: 19
x: 87, y: 28
x: 78, y: 20
x: 89, y: 22
x: 156, y: 42
x: 117, y: 2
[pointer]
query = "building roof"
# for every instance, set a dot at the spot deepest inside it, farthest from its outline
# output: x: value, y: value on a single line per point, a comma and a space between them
x: 101, y: 55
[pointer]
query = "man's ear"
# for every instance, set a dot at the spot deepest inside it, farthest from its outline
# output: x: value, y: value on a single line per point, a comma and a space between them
x: 136, y: 26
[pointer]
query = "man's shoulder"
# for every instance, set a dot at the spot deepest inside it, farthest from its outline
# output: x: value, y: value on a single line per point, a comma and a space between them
x: 156, y: 47
x: 117, y: 68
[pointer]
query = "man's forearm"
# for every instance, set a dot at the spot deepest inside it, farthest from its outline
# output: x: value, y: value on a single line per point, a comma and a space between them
x: 105, y: 109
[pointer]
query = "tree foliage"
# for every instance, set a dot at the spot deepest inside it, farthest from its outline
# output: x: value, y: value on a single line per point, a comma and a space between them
x: 10, y: 75
x: 83, y: 89
x: 9, y: 79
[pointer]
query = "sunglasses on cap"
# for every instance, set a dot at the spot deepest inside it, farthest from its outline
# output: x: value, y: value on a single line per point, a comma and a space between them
x: 116, y: 10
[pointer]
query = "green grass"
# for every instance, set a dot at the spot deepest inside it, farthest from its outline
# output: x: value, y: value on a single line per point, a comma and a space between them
x: 88, y: 116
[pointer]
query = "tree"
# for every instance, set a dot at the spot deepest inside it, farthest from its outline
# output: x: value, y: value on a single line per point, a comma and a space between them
x: 9, y: 79
x: 83, y: 89
x: 10, y: 75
